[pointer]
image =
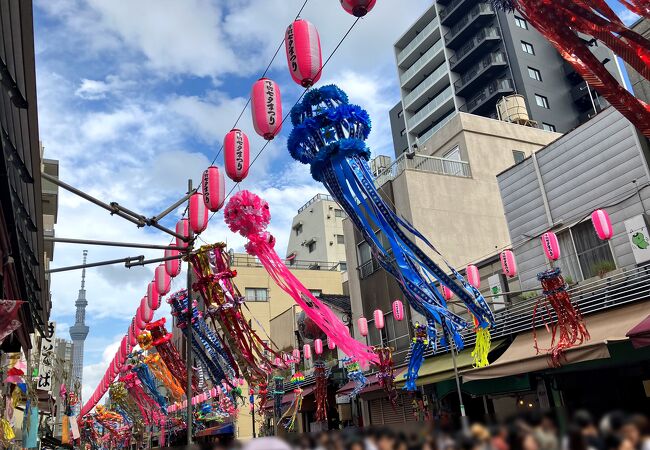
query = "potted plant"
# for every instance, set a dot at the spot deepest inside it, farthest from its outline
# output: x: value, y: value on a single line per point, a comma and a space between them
x: 602, y: 268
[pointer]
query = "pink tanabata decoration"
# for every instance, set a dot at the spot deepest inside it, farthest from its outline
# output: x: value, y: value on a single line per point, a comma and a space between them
x: 249, y: 215
x: 306, y: 351
x: 236, y: 154
x: 378, y: 315
x: 302, y: 44
x: 473, y: 276
x: 362, y: 323
x: 551, y: 246
x: 182, y: 228
x: 266, y: 105
x: 318, y: 346
x: 213, y: 184
x: 162, y: 280
x: 602, y: 224
x: 198, y: 213
x: 153, y: 298
x: 358, y: 8
x: 9, y: 317
x: 398, y: 310
x: 508, y: 263
x: 172, y: 266
x: 446, y: 293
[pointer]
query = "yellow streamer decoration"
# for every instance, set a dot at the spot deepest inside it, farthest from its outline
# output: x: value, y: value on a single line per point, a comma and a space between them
x: 161, y: 372
x: 6, y: 433
x: 482, y: 347
x: 65, y: 429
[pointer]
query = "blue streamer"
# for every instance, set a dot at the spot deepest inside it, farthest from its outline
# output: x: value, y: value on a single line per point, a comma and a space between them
x: 419, y: 345
x: 148, y: 381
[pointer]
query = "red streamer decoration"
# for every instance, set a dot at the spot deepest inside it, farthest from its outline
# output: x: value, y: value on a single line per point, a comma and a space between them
x: 386, y: 373
x: 321, y: 373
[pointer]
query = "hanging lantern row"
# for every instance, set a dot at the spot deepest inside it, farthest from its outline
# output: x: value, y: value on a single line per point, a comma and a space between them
x: 473, y: 276
x: 304, y: 57
x: 358, y: 8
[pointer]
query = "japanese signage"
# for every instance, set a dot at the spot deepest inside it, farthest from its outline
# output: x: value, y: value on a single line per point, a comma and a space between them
x: 46, y: 364
x: 636, y: 229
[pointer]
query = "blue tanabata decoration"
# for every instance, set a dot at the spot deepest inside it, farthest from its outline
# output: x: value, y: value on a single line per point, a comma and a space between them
x: 148, y: 381
x: 355, y: 374
x: 419, y: 345
x: 329, y: 134
x: 206, y: 345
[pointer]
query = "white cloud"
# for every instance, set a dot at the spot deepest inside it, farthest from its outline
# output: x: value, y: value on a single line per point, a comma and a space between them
x: 97, y: 89
x: 93, y: 373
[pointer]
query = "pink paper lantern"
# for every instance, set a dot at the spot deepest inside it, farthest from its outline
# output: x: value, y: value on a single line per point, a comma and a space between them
x: 331, y: 344
x: 362, y: 323
x: 123, y: 347
x: 306, y: 351
x: 296, y: 354
x: 302, y: 44
x: 198, y: 213
x: 213, y: 392
x: 236, y: 154
x: 139, y: 321
x: 133, y: 334
x: 214, y: 188
x: 551, y: 246
x: 146, y: 313
x: 172, y: 266
x: 153, y: 298
x: 446, y: 293
x: 473, y: 276
x: 358, y: 8
x: 508, y: 263
x: 182, y: 228
x: 398, y: 310
x: 162, y: 279
x: 266, y: 105
x: 602, y: 224
x: 318, y: 346
x: 378, y: 315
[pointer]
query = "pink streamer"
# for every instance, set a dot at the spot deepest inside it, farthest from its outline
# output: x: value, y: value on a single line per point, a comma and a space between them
x: 249, y: 215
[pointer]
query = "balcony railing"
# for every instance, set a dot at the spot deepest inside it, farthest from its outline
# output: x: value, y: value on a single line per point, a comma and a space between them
x: 424, y: 163
x: 427, y: 135
x: 450, y: 8
x: 478, y: 39
x: 481, y: 8
x: 434, y: 104
x: 424, y: 59
x: 238, y: 260
x: 493, y: 59
x: 428, y: 81
x: 502, y: 85
x: 417, y: 40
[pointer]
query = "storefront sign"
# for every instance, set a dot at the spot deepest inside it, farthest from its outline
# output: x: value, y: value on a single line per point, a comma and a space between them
x: 46, y: 364
x: 636, y: 229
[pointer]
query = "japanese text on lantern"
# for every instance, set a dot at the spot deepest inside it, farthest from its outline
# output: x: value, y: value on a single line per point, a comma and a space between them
x: 239, y: 150
x: 292, y: 49
x: 270, y: 101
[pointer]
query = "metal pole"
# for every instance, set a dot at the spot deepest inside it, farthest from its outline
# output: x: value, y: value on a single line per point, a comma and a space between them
x: 463, y: 417
x: 172, y: 207
x: 253, y: 419
x: 129, y: 262
x: 188, y: 347
x: 152, y: 261
x: 110, y: 243
x: 593, y: 105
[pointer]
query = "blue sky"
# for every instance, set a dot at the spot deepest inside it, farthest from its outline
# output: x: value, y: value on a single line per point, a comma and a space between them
x: 135, y: 97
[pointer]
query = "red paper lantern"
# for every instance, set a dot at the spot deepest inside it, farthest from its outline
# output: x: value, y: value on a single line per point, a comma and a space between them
x: 398, y: 310
x: 266, y: 105
x: 198, y: 213
x: 318, y: 346
x: 302, y: 44
x: 172, y: 266
x: 378, y: 315
x: 362, y: 323
x: 551, y: 246
x: 306, y: 351
x: 358, y: 8
x: 214, y: 188
x: 473, y: 276
x: 446, y: 293
x: 162, y: 280
x: 182, y: 228
x: 508, y: 263
x: 331, y: 344
x: 153, y: 298
x: 602, y: 224
x: 236, y: 154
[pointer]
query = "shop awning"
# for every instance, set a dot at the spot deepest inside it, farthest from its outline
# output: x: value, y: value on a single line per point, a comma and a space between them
x: 441, y: 367
x: 226, y: 428
x: 521, y: 357
x: 640, y: 334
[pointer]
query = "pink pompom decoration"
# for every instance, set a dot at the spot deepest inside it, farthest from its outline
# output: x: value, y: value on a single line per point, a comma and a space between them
x: 247, y: 214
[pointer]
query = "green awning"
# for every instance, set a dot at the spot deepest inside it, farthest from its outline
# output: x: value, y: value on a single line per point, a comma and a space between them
x: 441, y: 367
x: 485, y: 387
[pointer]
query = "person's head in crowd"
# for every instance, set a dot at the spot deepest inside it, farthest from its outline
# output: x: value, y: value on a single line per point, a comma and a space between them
x: 385, y: 439
x: 632, y: 430
x: 584, y: 420
x: 400, y: 443
x: 354, y: 443
x: 499, y: 439
x: 548, y: 422
x: 575, y: 438
x: 612, y: 423
x: 266, y: 443
x: 521, y: 438
x: 480, y: 433
x: 616, y: 442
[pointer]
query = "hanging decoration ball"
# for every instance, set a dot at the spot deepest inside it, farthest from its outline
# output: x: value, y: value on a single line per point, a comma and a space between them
x: 182, y: 228
x: 146, y: 313
x: 508, y: 263
x: 318, y: 346
x: 398, y: 310
x: 473, y: 276
x: 362, y: 323
x: 198, y: 213
x: 331, y: 344
x: 236, y: 151
x: 213, y: 185
x: 304, y: 57
x: 602, y: 224
x: 162, y: 280
x: 266, y: 105
x: 551, y: 246
x: 306, y: 351
x: 172, y: 266
x: 378, y: 315
x: 296, y: 355
x: 358, y: 8
x: 446, y: 293
x: 153, y: 297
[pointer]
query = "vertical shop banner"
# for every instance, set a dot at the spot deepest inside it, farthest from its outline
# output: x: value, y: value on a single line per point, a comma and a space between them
x: 46, y: 364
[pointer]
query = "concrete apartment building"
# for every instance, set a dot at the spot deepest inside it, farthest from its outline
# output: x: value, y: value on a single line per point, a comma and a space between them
x: 317, y: 233
x: 464, y: 55
x: 640, y: 86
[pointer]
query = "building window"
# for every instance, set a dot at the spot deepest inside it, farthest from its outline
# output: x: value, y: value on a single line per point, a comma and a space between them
x: 316, y: 292
x: 521, y: 23
x: 311, y: 246
x: 518, y: 155
x: 340, y: 239
x: 298, y: 229
x: 257, y: 295
x: 534, y: 74
x: 548, y: 126
x: 453, y: 154
x: 527, y: 48
x: 403, y: 132
x: 343, y: 266
x: 338, y: 213
x: 594, y: 255
x: 541, y: 101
